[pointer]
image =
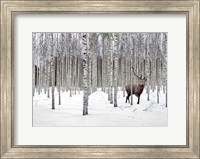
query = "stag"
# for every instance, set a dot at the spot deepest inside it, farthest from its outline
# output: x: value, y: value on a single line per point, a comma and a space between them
x: 137, y: 89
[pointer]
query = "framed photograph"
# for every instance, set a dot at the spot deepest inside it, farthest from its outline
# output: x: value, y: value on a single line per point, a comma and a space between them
x: 99, y: 79
x: 115, y: 63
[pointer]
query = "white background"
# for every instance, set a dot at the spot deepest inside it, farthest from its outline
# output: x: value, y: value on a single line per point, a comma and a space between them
x: 174, y: 134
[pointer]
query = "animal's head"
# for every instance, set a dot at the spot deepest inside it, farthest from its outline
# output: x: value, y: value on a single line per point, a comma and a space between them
x: 141, y: 80
x: 141, y: 85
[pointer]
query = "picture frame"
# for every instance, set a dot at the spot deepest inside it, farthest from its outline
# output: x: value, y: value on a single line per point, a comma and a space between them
x: 9, y: 150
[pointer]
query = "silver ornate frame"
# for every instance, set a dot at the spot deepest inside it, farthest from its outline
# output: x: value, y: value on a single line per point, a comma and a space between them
x: 11, y: 7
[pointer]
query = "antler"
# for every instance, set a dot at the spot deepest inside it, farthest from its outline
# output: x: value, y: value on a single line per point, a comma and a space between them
x: 135, y: 74
x: 141, y: 75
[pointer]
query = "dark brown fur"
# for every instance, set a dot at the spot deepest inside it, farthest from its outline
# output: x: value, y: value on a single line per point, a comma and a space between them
x: 137, y: 89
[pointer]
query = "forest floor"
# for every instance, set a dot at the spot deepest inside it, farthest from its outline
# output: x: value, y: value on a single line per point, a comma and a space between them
x: 101, y: 112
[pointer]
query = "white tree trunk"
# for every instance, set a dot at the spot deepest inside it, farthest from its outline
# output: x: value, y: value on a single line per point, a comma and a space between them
x: 115, y: 67
x: 109, y: 69
x: 89, y: 63
x: 52, y: 71
x: 165, y: 62
x: 111, y: 73
x: 33, y: 63
x: 85, y: 74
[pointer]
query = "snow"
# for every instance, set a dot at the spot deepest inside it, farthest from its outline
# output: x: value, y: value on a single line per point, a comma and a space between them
x: 101, y: 112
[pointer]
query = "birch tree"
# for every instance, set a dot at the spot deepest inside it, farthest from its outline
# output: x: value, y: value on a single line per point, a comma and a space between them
x: 115, y: 67
x: 85, y: 73
x: 52, y: 71
x: 164, y: 36
x: 111, y: 71
x: 33, y: 64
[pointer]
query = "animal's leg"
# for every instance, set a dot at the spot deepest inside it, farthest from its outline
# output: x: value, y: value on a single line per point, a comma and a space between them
x: 127, y: 98
x: 138, y: 100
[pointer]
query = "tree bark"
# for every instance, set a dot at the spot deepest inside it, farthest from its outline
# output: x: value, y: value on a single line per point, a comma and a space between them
x: 85, y: 73
x: 52, y: 71
x: 115, y: 67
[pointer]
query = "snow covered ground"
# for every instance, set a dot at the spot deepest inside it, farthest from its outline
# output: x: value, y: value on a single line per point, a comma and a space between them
x: 101, y: 112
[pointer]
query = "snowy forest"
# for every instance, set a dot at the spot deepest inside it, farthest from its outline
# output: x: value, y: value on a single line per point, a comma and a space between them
x: 74, y: 72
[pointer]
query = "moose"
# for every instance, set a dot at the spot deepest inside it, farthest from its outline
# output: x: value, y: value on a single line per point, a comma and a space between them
x: 137, y: 89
